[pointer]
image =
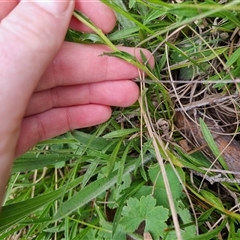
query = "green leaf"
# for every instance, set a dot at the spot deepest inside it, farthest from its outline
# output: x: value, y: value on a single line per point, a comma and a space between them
x: 29, y: 161
x: 189, y: 230
x: 159, y: 190
x: 121, y: 133
x: 113, y: 158
x: 215, y: 201
x: 129, y: 20
x: 122, y: 164
x: 146, y: 210
x: 211, y: 143
x: 85, y: 20
x: 124, y: 20
x: 88, y: 38
x: 131, y: 3
x: 93, y: 190
x: 132, y: 60
x: 233, y: 58
x: 90, y: 172
x: 123, y: 33
x: 231, y: 17
x: 14, y: 213
x: 135, y: 186
x: 153, y: 14
x: 211, y: 234
x: 68, y: 36
x: 93, y: 142
x: 58, y: 141
x: 184, y: 12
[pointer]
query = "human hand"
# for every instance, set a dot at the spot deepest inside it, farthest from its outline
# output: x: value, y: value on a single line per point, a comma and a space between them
x: 49, y: 87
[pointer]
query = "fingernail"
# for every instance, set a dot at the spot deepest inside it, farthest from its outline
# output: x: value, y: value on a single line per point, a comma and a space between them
x: 55, y: 7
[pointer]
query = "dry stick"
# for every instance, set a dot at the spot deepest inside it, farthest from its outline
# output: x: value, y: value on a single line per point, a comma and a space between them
x: 221, y: 81
x: 164, y: 174
x: 216, y: 98
x: 165, y: 179
x: 175, y: 91
x: 141, y: 115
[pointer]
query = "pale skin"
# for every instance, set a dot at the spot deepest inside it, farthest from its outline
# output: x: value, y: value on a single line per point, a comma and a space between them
x: 48, y: 86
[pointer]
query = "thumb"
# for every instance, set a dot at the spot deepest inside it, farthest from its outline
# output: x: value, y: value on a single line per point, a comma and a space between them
x: 30, y: 37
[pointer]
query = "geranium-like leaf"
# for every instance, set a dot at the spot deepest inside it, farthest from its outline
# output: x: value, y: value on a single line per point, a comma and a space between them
x: 145, y: 210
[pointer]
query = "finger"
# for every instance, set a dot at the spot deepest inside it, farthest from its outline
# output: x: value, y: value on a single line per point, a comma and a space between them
x: 78, y: 63
x: 114, y: 93
x: 30, y: 36
x: 26, y: 36
x: 6, y: 7
x: 57, y: 121
x: 101, y: 15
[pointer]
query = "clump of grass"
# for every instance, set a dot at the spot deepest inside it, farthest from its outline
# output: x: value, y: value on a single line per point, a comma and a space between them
x: 143, y: 173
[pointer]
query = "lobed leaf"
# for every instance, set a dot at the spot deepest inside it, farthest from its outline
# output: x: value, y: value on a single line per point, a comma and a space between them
x: 146, y: 210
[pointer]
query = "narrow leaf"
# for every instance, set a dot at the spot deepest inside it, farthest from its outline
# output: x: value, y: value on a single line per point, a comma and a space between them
x: 131, y: 3
x: 90, y: 172
x: 233, y: 58
x: 211, y: 143
x: 93, y: 142
x: 121, y: 133
x: 211, y: 234
x: 94, y: 189
x: 153, y: 14
x: 12, y: 214
x: 113, y: 158
x: 212, y: 198
x: 30, y: 162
